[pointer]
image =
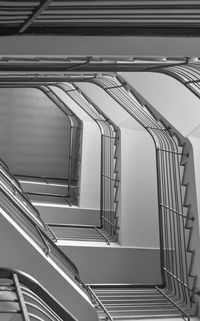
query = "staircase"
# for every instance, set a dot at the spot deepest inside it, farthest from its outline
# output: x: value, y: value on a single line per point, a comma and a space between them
x: 175, y: 221
x: 173, y: 298
x: 110, y: 138
x: 129, y: 302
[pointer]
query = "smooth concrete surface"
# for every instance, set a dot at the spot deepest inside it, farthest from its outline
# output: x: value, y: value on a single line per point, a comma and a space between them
x: 18, y: 253
x: 116, y: 265
x: 182, y: 109
x: 91, y: 148
x: 105, y: 102
x: 69, y: 215
x: 138, y: 216
x: 93, y: 45
x: 139, y: 226
x: 169, y: 97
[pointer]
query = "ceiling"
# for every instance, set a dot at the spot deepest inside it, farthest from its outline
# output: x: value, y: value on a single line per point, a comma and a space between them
x: 105, y: 17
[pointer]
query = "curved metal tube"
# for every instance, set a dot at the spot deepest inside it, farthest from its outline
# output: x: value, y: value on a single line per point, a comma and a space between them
x: 44, y: 302
x: 172, y: 234
x: 109, y: 135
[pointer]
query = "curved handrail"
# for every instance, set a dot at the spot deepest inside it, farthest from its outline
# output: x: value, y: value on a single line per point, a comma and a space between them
x: 39, y: 290
x: 109, y: 135
x: 75, y: 126
x: 168, y: 157
x: 188, y: 74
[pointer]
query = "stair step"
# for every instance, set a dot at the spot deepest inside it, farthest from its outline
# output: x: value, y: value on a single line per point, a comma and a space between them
x: 131, y: 301
x: 126, y: 303
x: 125, y: 294
x: 139, y: 305
x: 121, y: 289
x: 144, y: 316
x: 143, y: 312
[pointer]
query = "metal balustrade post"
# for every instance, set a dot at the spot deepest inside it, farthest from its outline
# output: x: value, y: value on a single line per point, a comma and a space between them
x: 70, y: 160
x: 21, y: 300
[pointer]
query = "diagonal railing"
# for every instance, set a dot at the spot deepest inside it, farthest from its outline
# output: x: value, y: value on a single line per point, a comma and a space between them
x: 172, y: 217
x: 21, y: 295
x: 20, y: 210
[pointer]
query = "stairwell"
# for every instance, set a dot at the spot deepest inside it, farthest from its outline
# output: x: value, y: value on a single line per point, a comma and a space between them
x: 176, y: 296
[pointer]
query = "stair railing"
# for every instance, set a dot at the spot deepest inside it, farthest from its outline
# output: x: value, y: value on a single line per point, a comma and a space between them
x: 74, y: 141
x: 22, y: 295
x: 21, y: 212
x: 172, y: 217
x: 188, y: 74
x: 109, y: 144
x: 71, y: 198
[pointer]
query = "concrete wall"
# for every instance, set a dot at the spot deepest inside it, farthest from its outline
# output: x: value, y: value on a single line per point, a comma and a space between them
x: 116, y: 264
x: 18, y: 253
x: 138, y: 217
x: 182, y: 108
x: 90, y: 164
x: 171, y: 98
x: 92, y: 45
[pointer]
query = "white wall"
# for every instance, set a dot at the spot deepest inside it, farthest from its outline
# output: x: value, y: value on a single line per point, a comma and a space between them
x: 171, y: 98
x: 90, y: 158
x: 92, y: 45
x: 18, y: 253
x: 116, y: 265
x: 138, y: 220
x: 182, y: 108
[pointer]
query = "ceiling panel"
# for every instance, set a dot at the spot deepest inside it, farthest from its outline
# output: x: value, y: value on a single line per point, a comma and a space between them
x: 81, y: 17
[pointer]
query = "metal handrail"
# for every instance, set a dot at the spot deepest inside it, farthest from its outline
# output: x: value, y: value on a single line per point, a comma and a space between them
x: 40, y: 232
x: 94, y: 297
x: 85, y: 228
x: 39, y: 294
x: 32, y: 229
x: 75, y: 131
x: 172, y: 232
x: 45, y: 179
x: 109, y: 135
x: 62, y: 196
x: 188, y: 74
x: 48, y: 181
x: 25, y: 201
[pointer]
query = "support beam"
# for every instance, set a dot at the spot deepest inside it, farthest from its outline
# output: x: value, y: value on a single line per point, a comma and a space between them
x: 44, y: 4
